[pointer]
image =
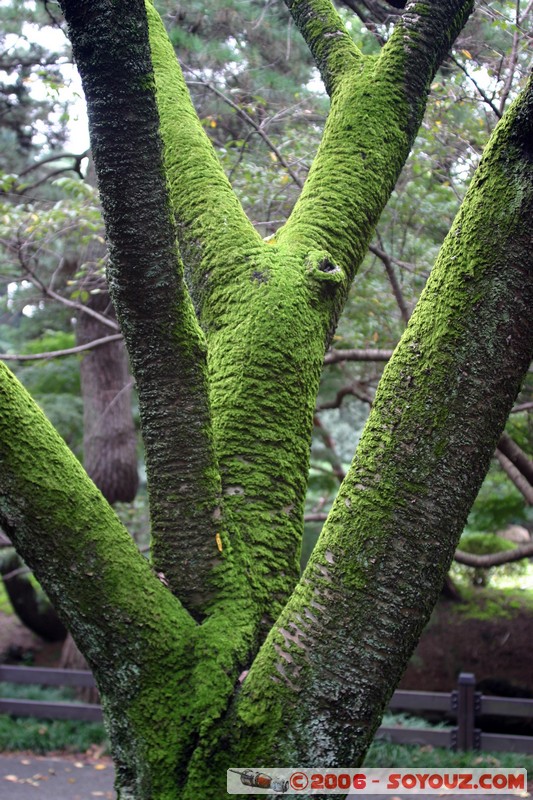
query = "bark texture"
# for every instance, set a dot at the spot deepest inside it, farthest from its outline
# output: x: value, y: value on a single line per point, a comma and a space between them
x: 227, y: 389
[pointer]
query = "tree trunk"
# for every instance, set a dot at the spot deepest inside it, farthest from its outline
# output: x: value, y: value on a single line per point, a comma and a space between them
x: 109, y: 436
x: 227, y: 393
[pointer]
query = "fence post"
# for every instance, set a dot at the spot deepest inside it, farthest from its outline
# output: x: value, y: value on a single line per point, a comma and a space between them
x: 465, y: 702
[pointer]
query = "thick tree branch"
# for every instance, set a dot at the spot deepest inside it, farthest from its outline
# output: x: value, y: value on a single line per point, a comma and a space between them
x: 469, y: 559
x: 87, y: 562
x: 375, y: 114
x: 333, y: 49
x: 212, y: 226
x: 145, y: 277
x: 494, y: 559
x: 393, y: 529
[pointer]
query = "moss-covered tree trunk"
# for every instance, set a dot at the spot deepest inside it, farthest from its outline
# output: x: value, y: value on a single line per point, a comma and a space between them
x: 226, y: 335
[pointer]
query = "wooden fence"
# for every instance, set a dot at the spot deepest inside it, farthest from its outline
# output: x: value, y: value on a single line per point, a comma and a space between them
x: 464, y: 704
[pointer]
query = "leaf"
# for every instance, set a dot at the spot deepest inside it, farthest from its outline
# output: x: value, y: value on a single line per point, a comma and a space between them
x: 467, y: 54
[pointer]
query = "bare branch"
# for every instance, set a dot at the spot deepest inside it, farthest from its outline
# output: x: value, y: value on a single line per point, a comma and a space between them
x: 479, y: 89
x: 494, y: 559
x: 513, y: 59
x: 77, y: 157
x: 514, y: 474
x: 354, y: 390
x: 333, y: 50
x: 68, y: 351
x: 14, y: 573
x: 522, y: 407
x: 335, y: 356
x: 396, y: 289
x: 110, y: 323
x: 514, y: 453
x: 251, y: 121
x: 330, y: 444
x: 380, y: 253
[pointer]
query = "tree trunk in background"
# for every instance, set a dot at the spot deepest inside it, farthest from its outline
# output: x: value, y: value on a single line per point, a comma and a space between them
x: 109, y: 440
x: 29, y: 602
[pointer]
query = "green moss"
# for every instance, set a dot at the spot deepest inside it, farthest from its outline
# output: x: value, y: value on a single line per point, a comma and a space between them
x: 488, y: 603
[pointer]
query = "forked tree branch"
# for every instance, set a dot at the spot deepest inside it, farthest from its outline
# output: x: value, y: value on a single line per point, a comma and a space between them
x: 393, y: 529
x: 375, y: 113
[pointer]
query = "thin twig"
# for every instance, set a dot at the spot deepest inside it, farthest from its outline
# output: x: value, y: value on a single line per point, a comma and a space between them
x: 258, y: 128
x: 56, y: 157
x: 20, y: 571
x: 110, y: 323
x: 68, y: 351
x: 480, y: 91
x: 396, y: 289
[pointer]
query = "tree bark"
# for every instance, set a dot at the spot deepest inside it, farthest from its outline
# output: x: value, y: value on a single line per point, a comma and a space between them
x: 235, y: 422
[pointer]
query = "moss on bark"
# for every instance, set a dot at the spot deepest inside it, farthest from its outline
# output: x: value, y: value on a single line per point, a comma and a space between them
x: 227, y: 494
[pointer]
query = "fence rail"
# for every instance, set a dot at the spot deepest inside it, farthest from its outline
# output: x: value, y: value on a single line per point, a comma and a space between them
x: 464, y: 703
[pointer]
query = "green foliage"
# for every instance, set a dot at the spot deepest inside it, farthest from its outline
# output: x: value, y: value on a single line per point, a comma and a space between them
x: 490, y: 603
x: 499, y: 503
x: 484, y: 543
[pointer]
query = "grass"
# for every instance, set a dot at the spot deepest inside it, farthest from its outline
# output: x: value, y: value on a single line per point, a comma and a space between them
x: 396, y: 756
x: 383, y: 753
x: 491, y: 603
x: 46, y: 736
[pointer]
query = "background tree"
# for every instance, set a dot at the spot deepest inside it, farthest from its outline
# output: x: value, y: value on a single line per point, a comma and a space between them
x: 227, y: 435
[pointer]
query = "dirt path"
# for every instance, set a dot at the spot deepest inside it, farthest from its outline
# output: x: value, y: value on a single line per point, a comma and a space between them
x: 25, y: 777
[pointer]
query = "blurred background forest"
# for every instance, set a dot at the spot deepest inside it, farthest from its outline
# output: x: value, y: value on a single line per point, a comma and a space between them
x: 263, y: 105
